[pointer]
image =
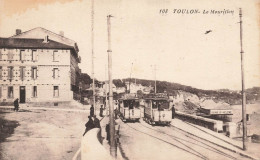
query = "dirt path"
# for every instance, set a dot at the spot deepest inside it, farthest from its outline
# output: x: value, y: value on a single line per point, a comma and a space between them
x: 43, y: 134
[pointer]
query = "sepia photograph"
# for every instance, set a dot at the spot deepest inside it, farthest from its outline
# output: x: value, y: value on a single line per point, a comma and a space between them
x: 129, y: 79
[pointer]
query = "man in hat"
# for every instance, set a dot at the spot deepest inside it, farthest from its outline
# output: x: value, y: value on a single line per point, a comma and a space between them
x: 96, y: 122
x: 173, y: 111
x: 89, y: 125
x: 16, y: 104
x: 92, y: 110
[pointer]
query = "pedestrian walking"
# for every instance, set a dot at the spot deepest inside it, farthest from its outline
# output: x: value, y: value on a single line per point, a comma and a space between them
x: 108, y: 133
x: 92, y: 111
x: 89, y: 125
x: 173, y: 111
x: 16, y: 104
x: 96, y: 122
x: 101, y: 111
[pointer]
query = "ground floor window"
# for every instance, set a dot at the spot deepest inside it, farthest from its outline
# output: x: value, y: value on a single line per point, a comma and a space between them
x: 34, y: 91
x: 10, y: 92
x: 55, y: 91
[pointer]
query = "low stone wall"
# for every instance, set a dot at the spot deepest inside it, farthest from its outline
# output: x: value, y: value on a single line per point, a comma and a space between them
x: 91, y: 147
x: 214, y: 125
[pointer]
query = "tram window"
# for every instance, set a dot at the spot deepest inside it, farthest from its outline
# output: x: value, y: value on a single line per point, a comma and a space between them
x: 163, y: 105
x: 126, y: 104
x: 136, y: 104
x: 154, y: 106
x: 131, y: 105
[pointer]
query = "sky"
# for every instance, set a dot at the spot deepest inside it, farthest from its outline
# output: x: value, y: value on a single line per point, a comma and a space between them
x: 142, y: 37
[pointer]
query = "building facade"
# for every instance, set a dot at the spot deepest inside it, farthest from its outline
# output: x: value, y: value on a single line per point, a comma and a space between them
x: 37, y: 70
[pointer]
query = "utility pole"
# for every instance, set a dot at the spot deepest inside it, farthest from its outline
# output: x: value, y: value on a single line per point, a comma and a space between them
x: 243, y: 86
x: 106, y: 84
x: 92, y: 51
x: 111, y: 106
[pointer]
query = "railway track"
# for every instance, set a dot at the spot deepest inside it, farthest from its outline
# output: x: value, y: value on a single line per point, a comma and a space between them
x: 186, y: 141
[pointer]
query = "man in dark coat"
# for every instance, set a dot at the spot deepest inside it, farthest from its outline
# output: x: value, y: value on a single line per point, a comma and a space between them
x: 96, y: 122
x: 173, y: 111
x: 89, y: 125
x: 16, y: 104
x: 108, y: 133
x: 92, y: 111
x: 101, y: 111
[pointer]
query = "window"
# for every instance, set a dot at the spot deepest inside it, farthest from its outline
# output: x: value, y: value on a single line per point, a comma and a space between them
x: 34, y: 91
x: 34, y: 73
x: 10, y: 73
x: 22, y: 73
x: 55, y: 73
x: 1, y: 72
x: 55, y: 56
x: 22, y: 55
x: 10, y: 92
x: 34, y: 55
x: 0, y: 92
x: 55, y: 91
x: 10, y: 55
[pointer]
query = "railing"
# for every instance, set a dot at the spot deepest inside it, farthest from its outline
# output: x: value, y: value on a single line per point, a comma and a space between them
x: 214, y: 125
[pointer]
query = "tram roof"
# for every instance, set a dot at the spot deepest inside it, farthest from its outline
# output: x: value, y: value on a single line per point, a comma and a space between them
x: 128, y: 99
x: 156, y: 99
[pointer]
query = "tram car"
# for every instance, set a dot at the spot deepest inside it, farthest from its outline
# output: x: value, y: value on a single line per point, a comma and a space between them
x: 129, y: 108
x: 157, y: 110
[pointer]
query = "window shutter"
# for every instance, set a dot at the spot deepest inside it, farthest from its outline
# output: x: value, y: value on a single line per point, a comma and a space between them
x: 21, y: 73
x: 32, y: 73
x: 1, y: 72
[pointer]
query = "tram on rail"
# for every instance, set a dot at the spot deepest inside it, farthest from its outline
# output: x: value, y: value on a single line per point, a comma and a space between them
x: 157, y: 110
x: 129, y: 108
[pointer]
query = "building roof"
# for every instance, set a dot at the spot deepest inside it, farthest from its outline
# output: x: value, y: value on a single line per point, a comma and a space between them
x: 27, y: 43
x: 40, y: 32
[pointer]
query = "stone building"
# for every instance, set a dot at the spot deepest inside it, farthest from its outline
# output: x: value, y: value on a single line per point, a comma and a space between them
x: 38, y: 66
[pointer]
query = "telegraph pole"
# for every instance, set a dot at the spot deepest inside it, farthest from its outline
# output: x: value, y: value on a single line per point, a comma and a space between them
x: 92, y: 51
x: 111, y: 106
x: 106, y: 88
x: 243, y: 86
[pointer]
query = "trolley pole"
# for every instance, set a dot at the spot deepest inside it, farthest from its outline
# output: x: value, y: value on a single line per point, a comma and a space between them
x: 111, y: 106
x: 130, y: 78
x: 92, y: 51
x: 243, y: 86
x: 155, y: 79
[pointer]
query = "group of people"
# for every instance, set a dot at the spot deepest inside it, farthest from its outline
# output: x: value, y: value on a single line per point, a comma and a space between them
x: 93, y: 121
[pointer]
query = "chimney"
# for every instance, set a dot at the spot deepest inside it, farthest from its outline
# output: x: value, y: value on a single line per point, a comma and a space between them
x: 18, y: 31
x: 46, y: 39
x: 62, y: 33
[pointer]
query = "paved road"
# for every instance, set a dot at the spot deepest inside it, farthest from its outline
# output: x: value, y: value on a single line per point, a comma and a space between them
x: 143, y: 141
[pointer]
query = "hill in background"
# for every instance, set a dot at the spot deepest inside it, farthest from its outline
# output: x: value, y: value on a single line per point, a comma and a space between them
x: 222, y: 95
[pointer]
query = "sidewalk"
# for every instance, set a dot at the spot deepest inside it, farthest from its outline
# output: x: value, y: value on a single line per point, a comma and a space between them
x: 215, y: 138
x: 103, y: 124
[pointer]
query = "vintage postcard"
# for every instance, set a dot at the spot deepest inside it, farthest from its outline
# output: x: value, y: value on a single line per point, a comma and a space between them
x: 130, y: 80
